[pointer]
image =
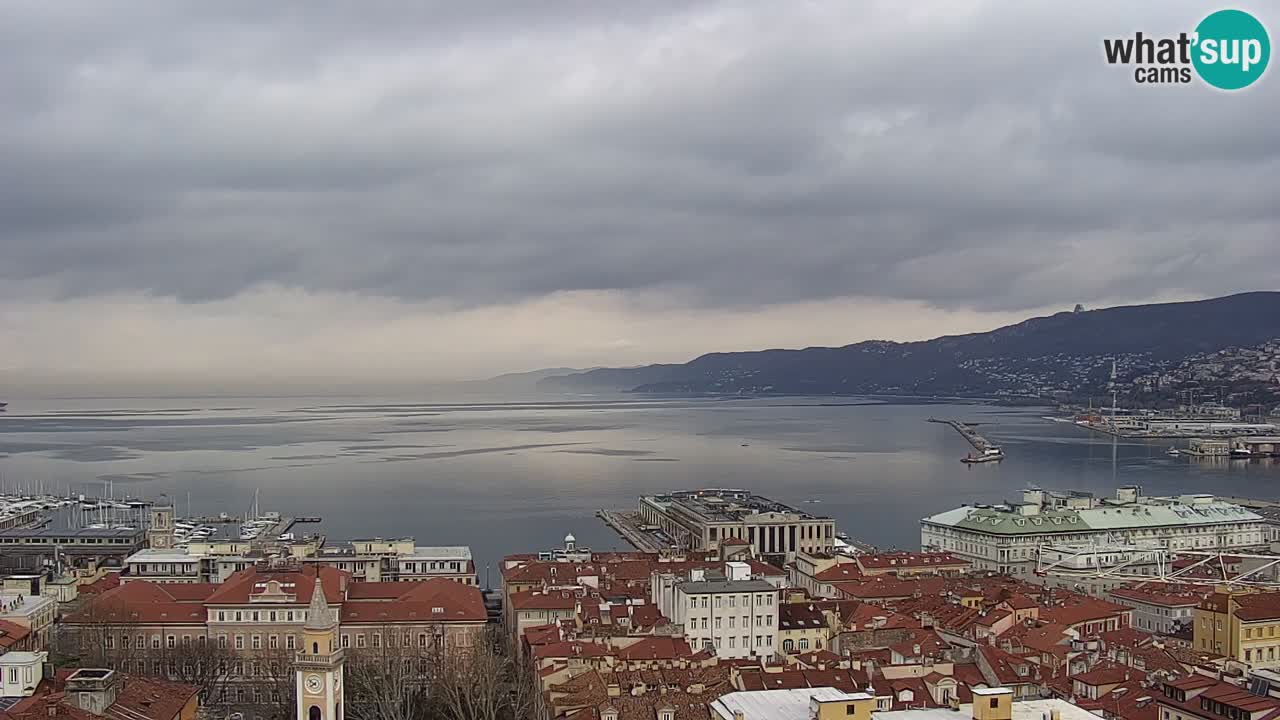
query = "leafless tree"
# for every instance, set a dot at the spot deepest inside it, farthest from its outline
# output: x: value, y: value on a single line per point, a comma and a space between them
x: 392, y: 680
x: 484, y: 680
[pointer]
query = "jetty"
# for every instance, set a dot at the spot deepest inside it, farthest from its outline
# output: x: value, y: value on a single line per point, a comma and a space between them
x: 987, y: 451
x: 629, y: 526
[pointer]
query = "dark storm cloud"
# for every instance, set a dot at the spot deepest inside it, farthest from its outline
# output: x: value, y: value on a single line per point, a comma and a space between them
x: 978, y: 154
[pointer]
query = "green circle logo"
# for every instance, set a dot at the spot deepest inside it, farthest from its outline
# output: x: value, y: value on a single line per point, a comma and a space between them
x: 1232, y: 49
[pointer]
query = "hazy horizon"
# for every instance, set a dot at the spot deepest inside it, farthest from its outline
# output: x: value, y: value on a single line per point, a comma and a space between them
x: 218, y: 197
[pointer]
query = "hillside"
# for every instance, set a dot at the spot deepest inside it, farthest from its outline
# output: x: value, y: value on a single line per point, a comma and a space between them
x: 1065, y: 353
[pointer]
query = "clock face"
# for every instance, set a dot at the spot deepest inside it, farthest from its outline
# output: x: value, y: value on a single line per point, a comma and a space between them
x: 314, y: 684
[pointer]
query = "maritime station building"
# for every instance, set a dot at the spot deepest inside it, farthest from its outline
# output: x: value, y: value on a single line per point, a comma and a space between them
x: 705, y: 519
x: 1008, y: 537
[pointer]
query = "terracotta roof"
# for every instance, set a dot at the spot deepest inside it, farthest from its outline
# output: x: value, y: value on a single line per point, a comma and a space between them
x: 656, y: 648
x: 1158, y: 594
x: 839, y: 572
x: 571, y: 649
x: 11, y: 634
x: 1080, y: 609
x: 138, y: 698
x: 1104, y: 675
x: 734, y: 541
x: 243, y: 585
x: 433, y: 600
x: 535, y: 600
x: 142, y: 602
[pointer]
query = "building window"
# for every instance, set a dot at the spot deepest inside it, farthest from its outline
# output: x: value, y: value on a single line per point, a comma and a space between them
x: 995, y: 702
x: 273, y: 641
x: 239, y: 642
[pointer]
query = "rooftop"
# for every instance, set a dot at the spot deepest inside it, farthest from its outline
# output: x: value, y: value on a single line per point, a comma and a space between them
x: 779, y: 704
x: 1022, y: 710
x: 720, y: 585
x: 725, y: 505
x: 1012, y: 519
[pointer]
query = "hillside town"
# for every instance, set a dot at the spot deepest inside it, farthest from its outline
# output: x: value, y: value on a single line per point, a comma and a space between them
x: 1051, y: 605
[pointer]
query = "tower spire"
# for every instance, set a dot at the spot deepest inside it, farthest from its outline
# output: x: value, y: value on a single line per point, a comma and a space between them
x: 318, y: 615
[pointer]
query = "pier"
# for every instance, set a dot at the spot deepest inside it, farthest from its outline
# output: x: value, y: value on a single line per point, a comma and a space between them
x: 629, y: 526
x: 978, y: 442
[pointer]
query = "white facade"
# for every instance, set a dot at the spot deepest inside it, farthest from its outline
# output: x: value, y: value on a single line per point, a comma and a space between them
x: 20, y: 673
x: 731, y: 614
x: 1007, y: 538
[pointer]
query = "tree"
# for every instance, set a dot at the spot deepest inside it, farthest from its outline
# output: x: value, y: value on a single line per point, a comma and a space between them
x: 392, y: 680
x: 485, y: 680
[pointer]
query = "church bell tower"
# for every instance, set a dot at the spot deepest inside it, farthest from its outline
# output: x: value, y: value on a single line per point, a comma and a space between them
x: 319, y: 662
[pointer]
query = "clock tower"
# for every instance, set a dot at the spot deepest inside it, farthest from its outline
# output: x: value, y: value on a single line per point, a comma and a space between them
x: 319, y: 662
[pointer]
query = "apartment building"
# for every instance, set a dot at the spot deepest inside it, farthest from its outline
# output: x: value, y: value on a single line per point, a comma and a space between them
x: 704, y: 519
x: 1242, y: 626
x: 1007, y: 537
x: 728, y: 612
x: 1159, y: 608
x: 33, y: 612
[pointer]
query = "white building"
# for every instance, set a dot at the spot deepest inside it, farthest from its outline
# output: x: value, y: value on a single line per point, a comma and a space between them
x: 34, y: 612
x: 703, y: 519
x: 1007, y: 537
x: 1086, y: 568
x: 730, y: 613
x: 21, y: 673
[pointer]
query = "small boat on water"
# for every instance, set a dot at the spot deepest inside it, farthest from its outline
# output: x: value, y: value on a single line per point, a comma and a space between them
x: 991, y: 454
x: 1173, y: 451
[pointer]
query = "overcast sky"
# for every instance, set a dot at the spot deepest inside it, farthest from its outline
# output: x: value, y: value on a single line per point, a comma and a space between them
x: 212, y: 195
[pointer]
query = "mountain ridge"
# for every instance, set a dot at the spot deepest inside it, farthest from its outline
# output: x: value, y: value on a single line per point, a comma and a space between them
x: 1033, y: 356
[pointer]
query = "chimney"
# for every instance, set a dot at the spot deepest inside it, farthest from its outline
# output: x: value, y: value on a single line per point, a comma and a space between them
x: 739, y: 715
x: 993, y: 704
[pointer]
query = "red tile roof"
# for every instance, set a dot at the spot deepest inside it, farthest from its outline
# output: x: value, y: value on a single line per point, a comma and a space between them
x: 536, y: 600
x: 433, y: 600
x: 243, y: 585
x: 656, y: 648
x: 11, y: 634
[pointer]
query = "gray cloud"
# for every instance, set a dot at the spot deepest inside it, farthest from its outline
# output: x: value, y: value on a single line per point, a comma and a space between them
x: 977, y: 155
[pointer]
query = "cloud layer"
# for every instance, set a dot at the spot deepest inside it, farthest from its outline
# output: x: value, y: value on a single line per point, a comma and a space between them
x: 536, y: 183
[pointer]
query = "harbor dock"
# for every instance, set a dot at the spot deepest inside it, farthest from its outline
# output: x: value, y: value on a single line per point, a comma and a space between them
x: 630, y: 527
x: 978, y: 442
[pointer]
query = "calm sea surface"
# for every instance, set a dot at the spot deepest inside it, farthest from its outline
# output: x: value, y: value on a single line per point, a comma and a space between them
x: 508, y: 476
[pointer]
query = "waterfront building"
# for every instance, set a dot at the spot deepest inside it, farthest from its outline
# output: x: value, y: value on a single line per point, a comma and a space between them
x: 34, y: 549
x: 375, y: 560
x: 728, y: 612
x: 1007, y: 537
x: 705, y: 519
x: 398, y: 559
